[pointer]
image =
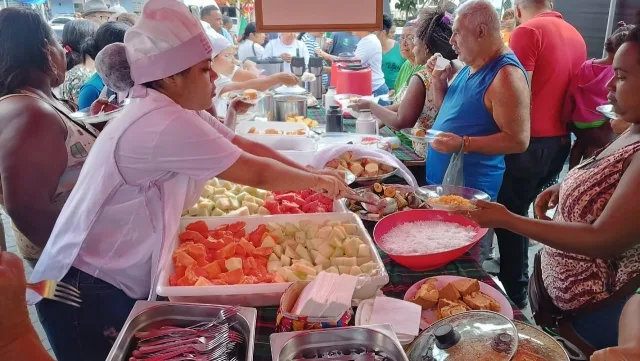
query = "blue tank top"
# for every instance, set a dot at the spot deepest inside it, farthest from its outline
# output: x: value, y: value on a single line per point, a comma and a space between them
x: 463, y: 113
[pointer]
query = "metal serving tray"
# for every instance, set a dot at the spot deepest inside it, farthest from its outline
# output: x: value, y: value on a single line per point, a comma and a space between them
x: 290, y: 346
x: 145, y: 315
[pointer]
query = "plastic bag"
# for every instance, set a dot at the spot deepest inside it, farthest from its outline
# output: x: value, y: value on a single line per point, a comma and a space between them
x: 454, y: 176
x: 323, y: 156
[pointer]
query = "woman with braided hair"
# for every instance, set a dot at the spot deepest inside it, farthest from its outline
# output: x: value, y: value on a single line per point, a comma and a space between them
x: 417, y: 108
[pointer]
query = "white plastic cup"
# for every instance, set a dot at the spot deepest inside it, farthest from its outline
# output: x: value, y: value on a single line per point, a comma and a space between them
x: 441, y: 63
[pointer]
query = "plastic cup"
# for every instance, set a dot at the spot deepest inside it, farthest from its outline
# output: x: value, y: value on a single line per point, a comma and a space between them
x: 441, y: 63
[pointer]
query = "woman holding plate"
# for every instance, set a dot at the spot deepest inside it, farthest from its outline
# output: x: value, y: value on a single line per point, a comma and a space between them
x: 590, y: 265
x: 417, y: 108
x: 149, y: 165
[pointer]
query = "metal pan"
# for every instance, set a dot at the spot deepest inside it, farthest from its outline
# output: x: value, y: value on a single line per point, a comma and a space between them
x: 146, y: 315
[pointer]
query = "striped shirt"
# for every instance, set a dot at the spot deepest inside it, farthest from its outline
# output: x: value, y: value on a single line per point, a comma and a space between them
x: 312, y: 44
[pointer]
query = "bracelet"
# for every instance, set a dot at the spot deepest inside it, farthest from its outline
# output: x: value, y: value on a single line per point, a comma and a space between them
x: 466, y: 143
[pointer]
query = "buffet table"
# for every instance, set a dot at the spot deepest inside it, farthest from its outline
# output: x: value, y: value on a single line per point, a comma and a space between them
x: 400, y: 279
x: 403, y: 152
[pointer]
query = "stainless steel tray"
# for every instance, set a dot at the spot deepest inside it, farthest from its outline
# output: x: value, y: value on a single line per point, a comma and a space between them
x: 147, y: 314
x: 307, y: 344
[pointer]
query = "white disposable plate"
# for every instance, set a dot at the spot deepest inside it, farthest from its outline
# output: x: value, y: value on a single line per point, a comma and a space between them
x: 607, y: 111
x: 430, y: 135
x: 229, y: 96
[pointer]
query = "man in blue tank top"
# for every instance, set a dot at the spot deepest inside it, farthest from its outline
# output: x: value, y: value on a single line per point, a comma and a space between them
x: 485, y: 111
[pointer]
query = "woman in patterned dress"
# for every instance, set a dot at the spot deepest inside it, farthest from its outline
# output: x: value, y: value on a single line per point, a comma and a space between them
x: 590, y: 264
x: 79, y: 65
x: 417, y: 108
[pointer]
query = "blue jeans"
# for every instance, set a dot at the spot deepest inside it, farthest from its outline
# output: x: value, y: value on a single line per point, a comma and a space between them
x: 86, y: 333
x: 600, y: 328
x: 384, y: 89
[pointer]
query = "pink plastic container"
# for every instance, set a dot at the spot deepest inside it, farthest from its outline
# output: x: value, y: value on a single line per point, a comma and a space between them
x: 428, y: 261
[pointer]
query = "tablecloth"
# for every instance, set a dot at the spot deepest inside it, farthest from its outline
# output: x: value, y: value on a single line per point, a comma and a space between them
x: 403, y: 152
x: 400, y: 279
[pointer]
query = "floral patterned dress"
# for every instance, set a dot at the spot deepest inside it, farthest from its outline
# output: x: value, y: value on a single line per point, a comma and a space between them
x: 73, y: 81
x: 428, y: 115
x: 574, y: 280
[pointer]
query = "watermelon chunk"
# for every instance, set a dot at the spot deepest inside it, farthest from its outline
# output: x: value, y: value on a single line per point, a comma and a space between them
x: 199, y: 227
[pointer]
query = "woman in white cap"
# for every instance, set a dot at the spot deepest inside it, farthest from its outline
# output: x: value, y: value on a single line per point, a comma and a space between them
x: 146, y: 167
x: 224, y: 66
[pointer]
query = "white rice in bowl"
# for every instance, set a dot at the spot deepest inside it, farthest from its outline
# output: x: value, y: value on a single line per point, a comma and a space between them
x: 426, y: 237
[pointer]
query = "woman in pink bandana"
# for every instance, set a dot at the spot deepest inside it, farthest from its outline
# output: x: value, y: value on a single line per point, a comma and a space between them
x: 146, y: 167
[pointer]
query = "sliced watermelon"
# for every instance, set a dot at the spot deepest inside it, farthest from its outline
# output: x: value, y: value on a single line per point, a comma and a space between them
x: 199, y: 227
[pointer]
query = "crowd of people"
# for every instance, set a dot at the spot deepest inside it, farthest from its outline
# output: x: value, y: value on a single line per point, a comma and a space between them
x: 528, y: 91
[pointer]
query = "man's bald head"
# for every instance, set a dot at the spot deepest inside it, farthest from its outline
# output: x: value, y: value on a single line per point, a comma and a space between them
x: 528, y: 9
x: 475, y: 13
x: 476, y: 32
x: 537, y: 4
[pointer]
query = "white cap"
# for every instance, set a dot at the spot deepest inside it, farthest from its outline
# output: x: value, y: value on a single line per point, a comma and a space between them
x: 165, y: 41
x: 218, y: 43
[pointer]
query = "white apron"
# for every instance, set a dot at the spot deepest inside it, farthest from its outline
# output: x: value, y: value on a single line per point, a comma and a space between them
x: 84, y: 206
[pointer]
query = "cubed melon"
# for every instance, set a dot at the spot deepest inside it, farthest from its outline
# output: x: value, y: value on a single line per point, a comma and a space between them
x: 268, y: 241
x: 333, y: 270
x: 278, y: 250
x: 301, y: 237
x: 242, y: 211
x: 338, y: 252
x: 326, y: 250
x: 240, y: 197
x: 303, y: 268
x: 368, y: 267
x: 303, y: 252
x: 218, y: 212
x: 324, y: 232
x: 289, y: 252
x: 274, y: 266
x: 233, y: 263
x: 286, y: 261
x: 350, y: 247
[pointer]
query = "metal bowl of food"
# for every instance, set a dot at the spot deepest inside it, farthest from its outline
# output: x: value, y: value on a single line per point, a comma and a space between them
x: 375, y: 342
x: 399, y: 197
x: 451, y: 198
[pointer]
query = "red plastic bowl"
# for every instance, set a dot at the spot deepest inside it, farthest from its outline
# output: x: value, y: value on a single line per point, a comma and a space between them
x: 428, y: 261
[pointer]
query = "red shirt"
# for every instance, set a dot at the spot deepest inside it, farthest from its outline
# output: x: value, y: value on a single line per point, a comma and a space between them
x: 554, y: 51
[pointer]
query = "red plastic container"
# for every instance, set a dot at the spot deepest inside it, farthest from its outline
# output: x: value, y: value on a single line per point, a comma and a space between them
x: 354, y: 79
x: 340, y: 61
x: 428, y: 261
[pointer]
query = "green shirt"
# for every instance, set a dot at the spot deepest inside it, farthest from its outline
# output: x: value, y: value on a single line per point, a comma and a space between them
x: 392, y: 61
x: 405, y: 73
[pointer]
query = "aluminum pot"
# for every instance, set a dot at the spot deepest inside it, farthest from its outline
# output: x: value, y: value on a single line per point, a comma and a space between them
x: 265, y: 107
x: 289, y: 106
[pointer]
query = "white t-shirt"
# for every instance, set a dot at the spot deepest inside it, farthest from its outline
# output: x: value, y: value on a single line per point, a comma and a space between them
x: 275, y: 48
x: 246, y: 50
x: 219, y: 103
x: 369, y: 51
